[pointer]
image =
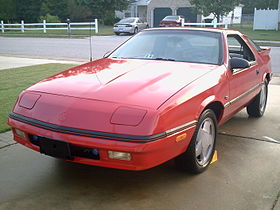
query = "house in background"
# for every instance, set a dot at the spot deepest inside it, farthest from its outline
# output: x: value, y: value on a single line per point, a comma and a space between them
x: 153, y: 11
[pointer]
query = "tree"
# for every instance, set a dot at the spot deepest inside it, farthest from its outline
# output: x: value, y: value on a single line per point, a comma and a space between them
x: 7, y: 10
x: 78, y: 11
x: 102, y: 8
x: 55, y: 8
x: 249, y: 5
x: 28, y: 10
x: 217, y: 7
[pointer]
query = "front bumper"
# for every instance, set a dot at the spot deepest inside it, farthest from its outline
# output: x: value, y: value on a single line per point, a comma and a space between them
x: 143, y: 155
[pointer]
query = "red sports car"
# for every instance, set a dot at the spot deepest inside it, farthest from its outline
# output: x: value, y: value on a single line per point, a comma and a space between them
x: 172, y: 21
x: 161, y: 95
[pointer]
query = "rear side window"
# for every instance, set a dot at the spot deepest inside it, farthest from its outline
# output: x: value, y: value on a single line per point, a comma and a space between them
x: 256, y: 46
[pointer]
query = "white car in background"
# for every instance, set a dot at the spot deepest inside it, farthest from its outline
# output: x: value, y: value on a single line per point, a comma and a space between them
x: 129, y: 25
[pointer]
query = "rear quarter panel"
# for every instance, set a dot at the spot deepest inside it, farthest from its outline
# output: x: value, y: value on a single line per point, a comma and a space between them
x: 262, y: 58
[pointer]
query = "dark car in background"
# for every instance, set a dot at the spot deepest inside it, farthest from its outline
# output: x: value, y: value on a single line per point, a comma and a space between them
x: 129, y: 25
x: 171, y: 21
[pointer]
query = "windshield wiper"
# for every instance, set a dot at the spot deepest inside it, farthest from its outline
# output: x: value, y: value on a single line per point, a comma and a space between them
x: 161, y: 59
x: 127, y: 57
x: 164, y: 59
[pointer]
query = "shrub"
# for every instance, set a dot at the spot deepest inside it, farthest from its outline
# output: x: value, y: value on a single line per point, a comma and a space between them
x: 50, y: 18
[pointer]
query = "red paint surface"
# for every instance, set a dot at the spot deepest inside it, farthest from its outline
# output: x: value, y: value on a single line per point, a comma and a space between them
x: 164, y: 95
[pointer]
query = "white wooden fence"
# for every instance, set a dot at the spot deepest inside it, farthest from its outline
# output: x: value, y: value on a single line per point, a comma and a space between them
x: 266, y: 19
x: 49, y: 26
x: 215, y: 25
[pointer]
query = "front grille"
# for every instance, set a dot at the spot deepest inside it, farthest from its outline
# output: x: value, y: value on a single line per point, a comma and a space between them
x: 76, y: 151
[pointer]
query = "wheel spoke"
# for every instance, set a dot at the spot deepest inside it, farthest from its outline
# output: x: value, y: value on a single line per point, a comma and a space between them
x: 204, y: 142
x: 198, y: 146
x: 198, y: 149
x: 206, y: 127
x: 263, y: 98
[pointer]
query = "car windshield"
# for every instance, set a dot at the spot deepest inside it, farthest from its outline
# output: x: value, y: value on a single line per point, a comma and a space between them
x: 173, y: 45
x: 171, y: 18
x: 127, y: 20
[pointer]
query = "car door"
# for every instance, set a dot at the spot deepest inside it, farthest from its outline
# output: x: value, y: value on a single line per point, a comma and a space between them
x: 243, y: 83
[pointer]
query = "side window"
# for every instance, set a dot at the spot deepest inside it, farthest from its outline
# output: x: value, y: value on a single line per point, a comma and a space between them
x: 257, y: 47
x: 239, y: 49
x: 138, y: 21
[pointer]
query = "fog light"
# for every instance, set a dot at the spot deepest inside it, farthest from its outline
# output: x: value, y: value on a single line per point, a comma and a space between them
x: 19, y: 133
x: 95, y: 152
x: 119, y: 155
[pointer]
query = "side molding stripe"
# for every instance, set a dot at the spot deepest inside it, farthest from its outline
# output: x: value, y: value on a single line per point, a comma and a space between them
x: 243, y: 95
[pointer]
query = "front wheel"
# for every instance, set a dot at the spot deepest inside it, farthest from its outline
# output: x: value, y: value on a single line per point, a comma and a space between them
x: 200, y: 151
x: 257, y: 107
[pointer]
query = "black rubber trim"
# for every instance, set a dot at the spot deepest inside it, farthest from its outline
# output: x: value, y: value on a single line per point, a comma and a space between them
x: 87, y: 133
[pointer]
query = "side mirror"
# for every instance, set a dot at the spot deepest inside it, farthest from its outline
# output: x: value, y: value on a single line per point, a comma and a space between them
x: 106, y: 54
x: 238, y: 63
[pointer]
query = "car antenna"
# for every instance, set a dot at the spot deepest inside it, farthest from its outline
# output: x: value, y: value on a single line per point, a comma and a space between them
x: 90, y: 42
x: 90, y: 50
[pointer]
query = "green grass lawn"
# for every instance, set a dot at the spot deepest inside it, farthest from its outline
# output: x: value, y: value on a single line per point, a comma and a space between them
x: 267, y: 35
x: 103, y: 31
x: 13, y: 81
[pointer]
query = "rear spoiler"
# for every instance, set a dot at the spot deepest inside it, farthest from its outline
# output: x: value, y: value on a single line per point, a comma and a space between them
x: 265, y: 51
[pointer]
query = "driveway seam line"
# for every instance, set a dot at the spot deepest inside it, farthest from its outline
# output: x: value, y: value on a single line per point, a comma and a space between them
x: 248, y: 137
x: 276, y: 200
x: 8, y: 145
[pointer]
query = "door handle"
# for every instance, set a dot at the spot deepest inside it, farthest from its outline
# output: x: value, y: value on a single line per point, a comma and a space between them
x: 257, y: 72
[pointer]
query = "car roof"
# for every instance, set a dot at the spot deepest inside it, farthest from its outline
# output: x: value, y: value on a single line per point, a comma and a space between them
x: 221, y: 30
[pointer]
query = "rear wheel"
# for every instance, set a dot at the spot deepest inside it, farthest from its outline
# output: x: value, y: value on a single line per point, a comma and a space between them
x: 200, y: 151
x: 135, y: 30
x: 257, y: 107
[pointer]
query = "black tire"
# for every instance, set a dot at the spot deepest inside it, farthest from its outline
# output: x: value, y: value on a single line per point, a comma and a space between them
x: 135, y: 31
x: 257, y: 107
x: 188, y: 161
x: 117, y: 33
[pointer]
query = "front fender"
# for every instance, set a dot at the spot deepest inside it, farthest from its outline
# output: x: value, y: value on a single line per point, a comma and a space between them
x: 207, y: 102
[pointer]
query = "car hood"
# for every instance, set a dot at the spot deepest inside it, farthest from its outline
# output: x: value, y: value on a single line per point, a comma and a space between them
x: 146, y: 83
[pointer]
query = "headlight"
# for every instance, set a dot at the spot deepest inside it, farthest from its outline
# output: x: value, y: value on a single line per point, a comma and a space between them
x: 128, y: 116
x: 28, y: 100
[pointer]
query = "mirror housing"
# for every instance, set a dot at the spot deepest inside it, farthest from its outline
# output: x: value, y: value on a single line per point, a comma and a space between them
x: 238, y: 63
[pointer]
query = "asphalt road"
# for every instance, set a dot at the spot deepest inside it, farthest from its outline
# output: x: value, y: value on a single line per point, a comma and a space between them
x: 60, y: 47
x: 77, y: 49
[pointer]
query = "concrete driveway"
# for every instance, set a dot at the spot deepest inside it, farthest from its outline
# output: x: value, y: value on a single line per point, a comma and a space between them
x: 7, y: 62
x: 246, y: 175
